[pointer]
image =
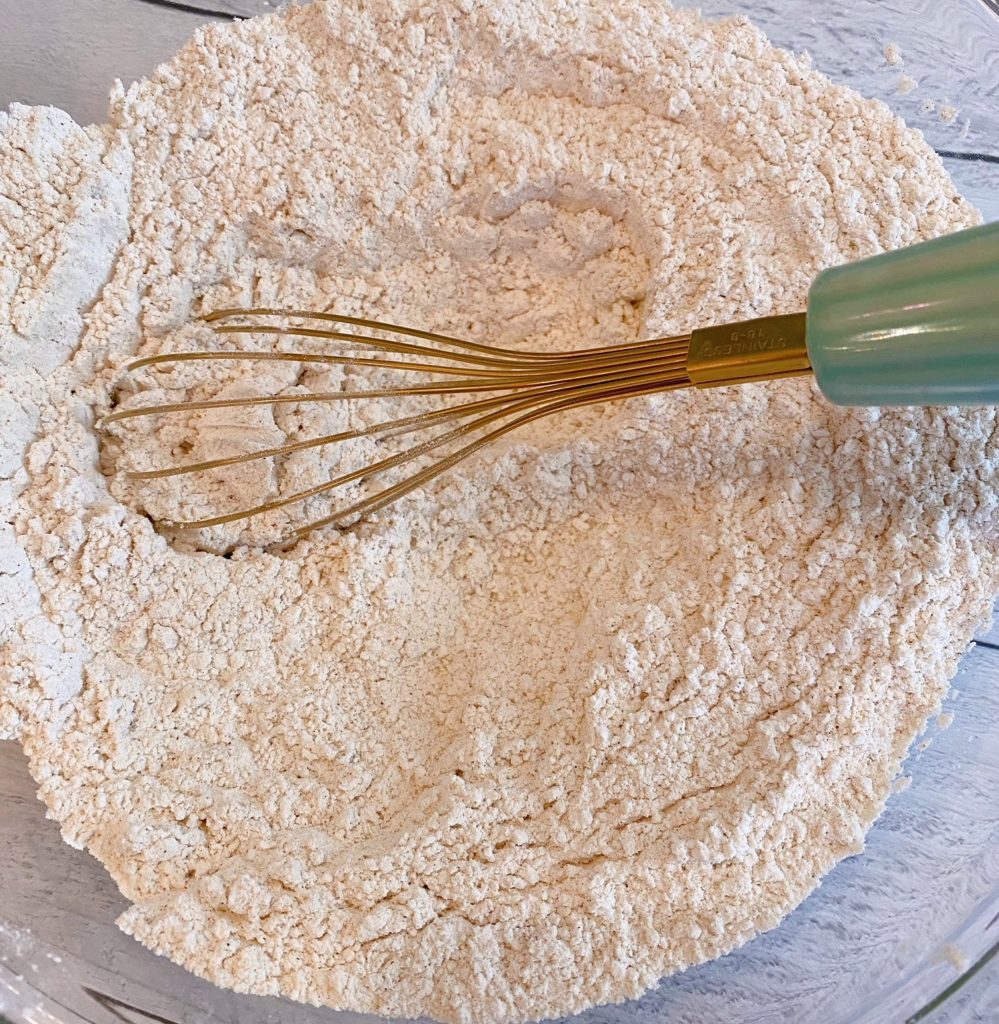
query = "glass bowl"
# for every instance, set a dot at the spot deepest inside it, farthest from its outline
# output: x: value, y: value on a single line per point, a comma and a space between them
x: 905, y: 931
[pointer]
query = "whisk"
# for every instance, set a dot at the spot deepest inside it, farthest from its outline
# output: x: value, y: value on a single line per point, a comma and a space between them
x: 919, y: 326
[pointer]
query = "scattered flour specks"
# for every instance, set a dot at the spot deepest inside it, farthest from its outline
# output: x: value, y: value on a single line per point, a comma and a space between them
x: 893, y: 55
x: 605, y: 702
x: 905, y: 84
x: 955, y: 956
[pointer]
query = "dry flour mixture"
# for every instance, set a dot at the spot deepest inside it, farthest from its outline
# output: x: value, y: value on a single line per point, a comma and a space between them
x: 605, y: 702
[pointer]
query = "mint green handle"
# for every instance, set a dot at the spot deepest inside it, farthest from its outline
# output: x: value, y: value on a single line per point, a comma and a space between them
x: 919, y: 326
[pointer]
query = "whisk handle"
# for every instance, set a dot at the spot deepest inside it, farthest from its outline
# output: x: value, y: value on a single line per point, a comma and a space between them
x: 918, y: 326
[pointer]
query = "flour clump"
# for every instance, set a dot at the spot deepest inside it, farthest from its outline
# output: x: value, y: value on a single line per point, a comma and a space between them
x: 604, y: 702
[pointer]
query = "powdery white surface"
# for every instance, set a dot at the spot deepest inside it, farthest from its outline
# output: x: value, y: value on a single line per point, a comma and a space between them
x: 604, y: 703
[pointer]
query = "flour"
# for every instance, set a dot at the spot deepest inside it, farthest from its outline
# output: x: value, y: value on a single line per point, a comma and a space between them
x: 606, y: 701
x: 893, y: 55
x: 905, y: 84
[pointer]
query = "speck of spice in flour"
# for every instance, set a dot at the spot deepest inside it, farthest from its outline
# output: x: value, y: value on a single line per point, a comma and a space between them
x: 603, y: 703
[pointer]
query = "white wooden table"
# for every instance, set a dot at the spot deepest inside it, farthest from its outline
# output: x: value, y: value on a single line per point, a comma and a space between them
x: 67, y: 53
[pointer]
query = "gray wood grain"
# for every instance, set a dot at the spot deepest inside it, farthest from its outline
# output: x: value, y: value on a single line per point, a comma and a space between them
x: 68, y: 53
x: 232, y: 8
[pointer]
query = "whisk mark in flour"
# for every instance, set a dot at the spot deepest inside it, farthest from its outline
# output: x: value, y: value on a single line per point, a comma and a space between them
x: 521, y: 387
